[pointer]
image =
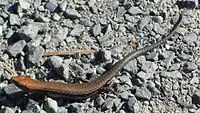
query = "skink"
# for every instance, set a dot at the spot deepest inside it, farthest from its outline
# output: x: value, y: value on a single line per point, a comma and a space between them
x: 84, y: 90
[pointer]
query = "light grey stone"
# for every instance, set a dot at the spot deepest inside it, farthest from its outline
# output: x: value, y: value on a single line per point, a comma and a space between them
x: 33, y: 106
x: 135, y: 10
x: 14, y: 19
x: 34, y: 55
x: 25, y: 4
x: 77, y: 30
x: 149, y: 67
x: 133, y: 105
x: 28, y: 32
x: 72, y: 13
x: 96, y: 30
x: 143, y: 93
x: 16, y: 48
x: 51, y: 106
x: 131, y: 66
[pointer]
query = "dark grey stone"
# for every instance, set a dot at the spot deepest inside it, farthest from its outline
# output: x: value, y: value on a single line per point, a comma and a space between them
x: 29, y: 32
x: 143, y: 93
x: 76, y: 108
x: 71, y: 13
x: 34, y: 55
x: 50, y: 106
x: 77, y: 30
x: 134, y: 105
x: 16, y: 48
x: 52, y: 5
x: 96, y: 30
x: 14, y: 19
x: 196, y: 97
x: 33, y: 106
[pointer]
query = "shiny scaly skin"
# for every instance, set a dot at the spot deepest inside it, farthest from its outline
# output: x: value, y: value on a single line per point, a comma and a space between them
x: 84, y: 90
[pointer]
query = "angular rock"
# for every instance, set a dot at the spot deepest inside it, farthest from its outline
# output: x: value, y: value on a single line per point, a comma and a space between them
x: 29, y: 32
x: 52, y: 5
x: 14, y: 19
x: 16, y: 48
x: 143, y: 93
x: 51, y: 106
x: 72, y: 13
x: 34, y: 55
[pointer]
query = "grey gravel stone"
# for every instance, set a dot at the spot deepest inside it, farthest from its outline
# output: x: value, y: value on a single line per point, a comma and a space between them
x: 133, y: 105
x: 108, y: 104
x: 29, y: 32
x: 6, y: 110
x: 196, y: 97
x: 174, y: 67
x: 194, y: 80
x: 197, y: 111
x: 34, y: 55
x: 14, y: 19
x: 55, y: 62
x: 120, y: 12
x: 77, y: 30
x: 190, y: 38
x: 189, y: 66
x: 152, y: 56
x: 185, y: 101
x: 144, y: 76
x: 27, y: 111
x: 3, y: 2
x: 1, y: 21
x: 131, y: 66
x: 63, y: 5
x: 76, y: 108
x: 52, y: 5
x: 172, y: 74
x: 1, y: 30
x: 25, y: 4
x: 96, y: 30
x: 143, y: 93
x: 62, y: 110
x: 72, y: 13
x: 135, y: 10
x: 37, y: 3
x: 149, y: 67
x: 56, y: 17
x: 51, y: 106
x: 143, y: 22
x: 13, y: 91
x: 141, y: 59
x: 105, y: 55
x: 33, y: 106
x: 16, y: 48
x: 9, y: 33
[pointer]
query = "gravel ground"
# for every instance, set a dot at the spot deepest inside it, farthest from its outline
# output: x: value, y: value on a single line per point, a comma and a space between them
x: 164, y: 80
